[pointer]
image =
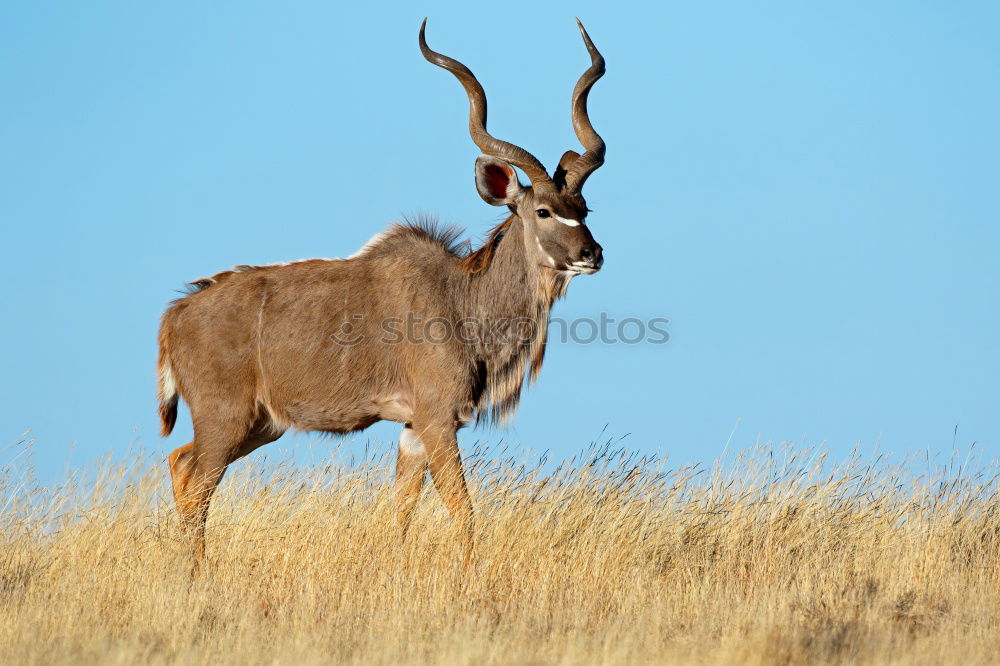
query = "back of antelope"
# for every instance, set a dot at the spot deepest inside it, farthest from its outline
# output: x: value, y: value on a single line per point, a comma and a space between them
x: 257, y: 350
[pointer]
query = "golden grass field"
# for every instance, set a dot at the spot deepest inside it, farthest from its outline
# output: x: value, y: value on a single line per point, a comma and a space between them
x: 775, y: 556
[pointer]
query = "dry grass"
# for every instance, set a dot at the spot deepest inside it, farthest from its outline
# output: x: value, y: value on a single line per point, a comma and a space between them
x: 776, y: 557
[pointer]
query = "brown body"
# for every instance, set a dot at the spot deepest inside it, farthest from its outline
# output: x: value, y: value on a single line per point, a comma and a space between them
x: 410, y: 329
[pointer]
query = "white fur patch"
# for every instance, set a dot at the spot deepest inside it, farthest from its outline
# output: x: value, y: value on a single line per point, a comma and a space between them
x: 579, y: 267
x: 301, y: 261
x: 243, y: 268
x: 410, y: 444
x: 168, y: 386
x: 372, y: 242
x: 568, y: 223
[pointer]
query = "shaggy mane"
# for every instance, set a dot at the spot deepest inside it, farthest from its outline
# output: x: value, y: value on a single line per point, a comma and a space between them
x: 479, y: 260
x: 430, y: 228
x: 447, y: 237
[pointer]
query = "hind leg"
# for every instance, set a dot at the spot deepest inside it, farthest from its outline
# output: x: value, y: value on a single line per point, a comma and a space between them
x: 181, y: 463
x: 192, y: 505
x: 197, y: 468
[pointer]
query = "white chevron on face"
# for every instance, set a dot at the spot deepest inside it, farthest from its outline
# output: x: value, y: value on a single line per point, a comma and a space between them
x: 568, y: 223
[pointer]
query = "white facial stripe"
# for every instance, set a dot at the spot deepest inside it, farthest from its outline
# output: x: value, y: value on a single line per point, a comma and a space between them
x: 568, y: 223
x: 548, y: 257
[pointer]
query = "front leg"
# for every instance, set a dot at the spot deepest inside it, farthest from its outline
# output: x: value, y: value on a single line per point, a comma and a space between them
x: 445, y: 464
x: 411, y: 470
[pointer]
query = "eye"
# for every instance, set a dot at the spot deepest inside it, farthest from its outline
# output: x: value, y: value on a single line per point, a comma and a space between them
x: 542, y: 212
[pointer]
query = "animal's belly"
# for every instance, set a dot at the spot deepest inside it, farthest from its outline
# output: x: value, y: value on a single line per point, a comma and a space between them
x: 341, y: 418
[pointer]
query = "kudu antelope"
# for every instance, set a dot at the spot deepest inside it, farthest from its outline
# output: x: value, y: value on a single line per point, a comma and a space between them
x: 257, y: 350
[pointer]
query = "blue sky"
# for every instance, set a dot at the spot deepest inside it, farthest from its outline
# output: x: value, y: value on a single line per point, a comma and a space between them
x: 808, y: 193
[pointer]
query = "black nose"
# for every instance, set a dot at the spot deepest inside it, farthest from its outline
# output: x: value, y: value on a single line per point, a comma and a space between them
x: 594, y: 255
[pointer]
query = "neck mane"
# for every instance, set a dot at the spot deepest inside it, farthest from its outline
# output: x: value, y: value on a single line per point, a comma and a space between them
x: 509, y: 298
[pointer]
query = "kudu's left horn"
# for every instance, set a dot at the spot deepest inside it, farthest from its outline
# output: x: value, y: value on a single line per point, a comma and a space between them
x: 487, y: 143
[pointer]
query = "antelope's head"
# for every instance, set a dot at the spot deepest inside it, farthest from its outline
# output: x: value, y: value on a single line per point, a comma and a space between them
x: 552, y: 208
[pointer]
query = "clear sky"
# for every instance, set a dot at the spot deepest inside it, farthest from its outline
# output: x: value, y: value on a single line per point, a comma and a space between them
x: 808, y: 193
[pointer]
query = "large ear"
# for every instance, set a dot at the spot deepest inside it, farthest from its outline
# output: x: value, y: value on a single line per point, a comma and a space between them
x: 565, y: 163
x: 496, y: 181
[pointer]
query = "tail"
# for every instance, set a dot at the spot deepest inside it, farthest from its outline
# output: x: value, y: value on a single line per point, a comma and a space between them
x: 168, y: 392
